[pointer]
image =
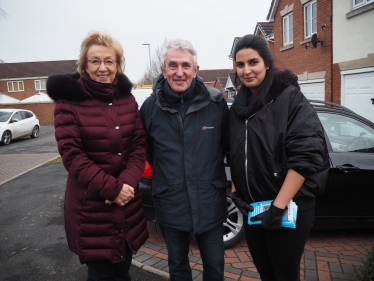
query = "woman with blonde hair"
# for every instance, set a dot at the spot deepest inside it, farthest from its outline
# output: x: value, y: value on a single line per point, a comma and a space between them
x: 103, y: 147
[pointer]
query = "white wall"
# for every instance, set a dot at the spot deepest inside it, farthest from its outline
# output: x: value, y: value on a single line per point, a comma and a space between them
x: 352, y: 37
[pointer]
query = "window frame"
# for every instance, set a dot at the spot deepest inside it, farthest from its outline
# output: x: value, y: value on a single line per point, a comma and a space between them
x: 363, y: 3
x: 41, y: 82
x: 290, y: 29
x: 307, y: 21
x: 19, y: 83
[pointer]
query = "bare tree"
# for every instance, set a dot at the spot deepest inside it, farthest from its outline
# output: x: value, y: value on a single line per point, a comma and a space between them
x: 152, y: 72
x: 2, y: 13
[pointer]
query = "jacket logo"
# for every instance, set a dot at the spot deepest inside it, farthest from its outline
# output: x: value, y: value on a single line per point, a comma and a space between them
x: 207, y: 128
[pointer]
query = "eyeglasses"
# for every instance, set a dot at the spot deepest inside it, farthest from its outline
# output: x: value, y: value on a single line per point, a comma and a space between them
x: 99, y: 62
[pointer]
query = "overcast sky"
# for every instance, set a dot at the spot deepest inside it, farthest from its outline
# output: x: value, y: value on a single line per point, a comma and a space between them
x: 47, y: 30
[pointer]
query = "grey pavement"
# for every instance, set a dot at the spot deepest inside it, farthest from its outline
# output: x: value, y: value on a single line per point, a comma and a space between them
x: 25, y: 154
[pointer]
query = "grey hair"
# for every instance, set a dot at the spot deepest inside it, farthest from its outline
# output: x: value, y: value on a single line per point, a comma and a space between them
x: 178, y: 44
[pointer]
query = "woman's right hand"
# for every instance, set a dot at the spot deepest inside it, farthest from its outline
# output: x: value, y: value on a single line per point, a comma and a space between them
x: 125, y: 195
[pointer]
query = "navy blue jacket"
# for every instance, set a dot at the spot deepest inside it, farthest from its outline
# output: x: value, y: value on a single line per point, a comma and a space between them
x: 187, y: 157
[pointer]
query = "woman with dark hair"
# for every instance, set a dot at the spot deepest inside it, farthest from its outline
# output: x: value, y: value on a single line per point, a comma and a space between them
x: 278, y: 153
x: 103, y: 147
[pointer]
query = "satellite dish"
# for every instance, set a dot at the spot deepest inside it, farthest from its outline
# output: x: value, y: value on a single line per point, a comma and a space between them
x: 315, y: 40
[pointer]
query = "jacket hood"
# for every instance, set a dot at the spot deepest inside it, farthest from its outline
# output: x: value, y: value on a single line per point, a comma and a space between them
x: 282, y: 80
x: 66, y: 87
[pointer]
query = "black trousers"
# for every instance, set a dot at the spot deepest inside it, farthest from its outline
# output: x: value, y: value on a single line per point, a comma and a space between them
x: 277, y: 253
x: 107, y: 271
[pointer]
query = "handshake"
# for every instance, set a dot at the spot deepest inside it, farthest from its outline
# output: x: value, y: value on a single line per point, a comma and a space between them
x: 271, y: 218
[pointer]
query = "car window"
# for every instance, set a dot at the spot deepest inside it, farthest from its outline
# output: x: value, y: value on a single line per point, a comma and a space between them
x: 4, y: 116
x: 17, y: 116
x: 347, y: 134
x: 27, y: 114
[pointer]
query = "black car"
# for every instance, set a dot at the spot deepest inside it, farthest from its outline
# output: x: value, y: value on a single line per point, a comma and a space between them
x: 347, y: 201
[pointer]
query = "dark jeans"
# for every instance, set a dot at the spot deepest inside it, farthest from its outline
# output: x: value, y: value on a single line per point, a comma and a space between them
x: 277, y: 253
x: 211, y: 251
x: 107, y: 271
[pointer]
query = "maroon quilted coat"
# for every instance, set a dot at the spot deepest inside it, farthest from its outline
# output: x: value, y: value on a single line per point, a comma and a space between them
x: 103, y: 146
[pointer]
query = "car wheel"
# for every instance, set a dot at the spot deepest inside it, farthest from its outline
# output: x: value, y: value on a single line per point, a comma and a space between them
x: 233, y: 226
x: 35, y: 132
x: 233, y: 230
x: 6, y: 137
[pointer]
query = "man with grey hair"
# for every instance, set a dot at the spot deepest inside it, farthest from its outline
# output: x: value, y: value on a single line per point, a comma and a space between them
x: 187, y: 133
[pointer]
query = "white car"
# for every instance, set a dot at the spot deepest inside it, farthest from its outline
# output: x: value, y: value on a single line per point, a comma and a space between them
x: 17, y: 123
x: 141, y: 95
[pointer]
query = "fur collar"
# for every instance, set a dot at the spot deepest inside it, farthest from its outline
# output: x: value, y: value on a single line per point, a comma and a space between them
x: 66, y: 87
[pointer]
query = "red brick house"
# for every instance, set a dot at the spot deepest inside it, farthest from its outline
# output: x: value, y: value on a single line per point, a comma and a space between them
x: 24, y: 80
x: 220, y: 83
x: 303, y: 44
x: 210, y: 75
x: 266, y: 30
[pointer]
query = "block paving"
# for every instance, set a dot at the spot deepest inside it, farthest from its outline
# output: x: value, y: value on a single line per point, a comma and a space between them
x: 333, y: 255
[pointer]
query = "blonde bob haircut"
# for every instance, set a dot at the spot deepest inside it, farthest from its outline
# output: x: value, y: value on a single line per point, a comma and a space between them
x: 97, y: 38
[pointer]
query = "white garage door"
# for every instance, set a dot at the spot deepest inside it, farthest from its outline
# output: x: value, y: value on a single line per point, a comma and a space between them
x: 313, y: 90
x: 358, y: 91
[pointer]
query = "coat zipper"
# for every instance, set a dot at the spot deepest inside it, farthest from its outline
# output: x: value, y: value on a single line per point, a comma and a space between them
x: 246, y: 158
x: 182, y: 137
x: 246, y: 149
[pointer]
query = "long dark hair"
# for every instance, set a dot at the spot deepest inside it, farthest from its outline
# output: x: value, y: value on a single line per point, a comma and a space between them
x: 259, y: 44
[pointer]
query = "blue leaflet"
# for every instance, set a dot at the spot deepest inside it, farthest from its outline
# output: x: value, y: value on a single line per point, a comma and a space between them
x: 289, y: 218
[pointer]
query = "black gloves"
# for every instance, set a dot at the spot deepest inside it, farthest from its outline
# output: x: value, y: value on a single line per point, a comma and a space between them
x: 243, y: 206
x: 271, y: 218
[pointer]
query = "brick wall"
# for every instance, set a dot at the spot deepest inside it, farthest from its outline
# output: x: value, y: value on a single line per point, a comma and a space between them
x: 44, y: 111
x: 29, y: 89
x: 217, y: 86
x: 298, y: 58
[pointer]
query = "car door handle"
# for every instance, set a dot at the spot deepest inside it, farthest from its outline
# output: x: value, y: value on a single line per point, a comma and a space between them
x: 347, y: 168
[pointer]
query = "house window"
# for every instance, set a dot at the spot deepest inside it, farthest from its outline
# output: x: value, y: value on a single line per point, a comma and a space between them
x: 40, y: 84
x: 310, y: 18
x: 287, y: 29
x: 231, y: 94
x: 359, y: 3
x: 15, y: 86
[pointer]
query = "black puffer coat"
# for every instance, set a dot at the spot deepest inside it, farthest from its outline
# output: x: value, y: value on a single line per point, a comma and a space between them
x: 267, y: 141
x: 187, y: 156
